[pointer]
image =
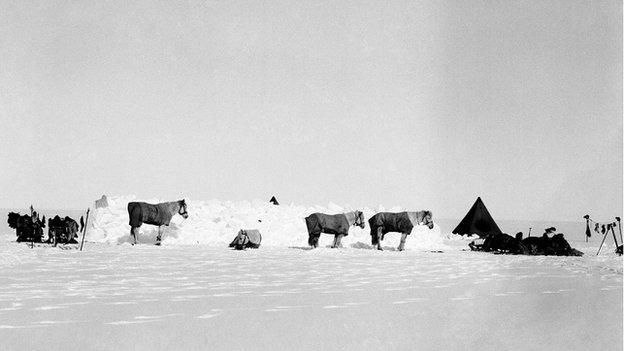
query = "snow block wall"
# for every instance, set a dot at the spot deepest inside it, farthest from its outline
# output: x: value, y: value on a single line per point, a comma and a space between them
x: 216, y: 223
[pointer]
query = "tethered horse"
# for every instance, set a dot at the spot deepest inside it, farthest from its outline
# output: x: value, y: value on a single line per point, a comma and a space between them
x: 158, y: 214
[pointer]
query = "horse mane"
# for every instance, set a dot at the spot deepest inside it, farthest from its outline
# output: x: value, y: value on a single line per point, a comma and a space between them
x: 175, y: 206
x: 355, y: 215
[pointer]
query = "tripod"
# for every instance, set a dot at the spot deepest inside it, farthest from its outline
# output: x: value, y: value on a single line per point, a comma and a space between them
x: 610, y: 227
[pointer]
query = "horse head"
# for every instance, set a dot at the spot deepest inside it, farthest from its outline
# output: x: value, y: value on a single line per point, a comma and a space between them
x: 182, y: 209
x: 359, y: 219
x: 427, y: 219
x: 241, y: 240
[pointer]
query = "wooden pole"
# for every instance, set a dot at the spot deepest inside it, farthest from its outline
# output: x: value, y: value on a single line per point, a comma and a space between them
x: 84, y: 229
x: 603, y: 240
x: 613, y: 232
x: 620, y: 227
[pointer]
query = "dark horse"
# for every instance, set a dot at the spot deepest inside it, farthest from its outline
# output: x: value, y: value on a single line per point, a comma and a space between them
x: 62, y: 230
x: 27, y: 227
x: 402, y: 222
x: 338, y: 225
x: 158, y: 214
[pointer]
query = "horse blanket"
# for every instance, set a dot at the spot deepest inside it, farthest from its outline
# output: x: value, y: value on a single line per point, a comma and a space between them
x: 318, y: 223
x: 390, y: 222
x: 247, y: 238
x: 142, y: 212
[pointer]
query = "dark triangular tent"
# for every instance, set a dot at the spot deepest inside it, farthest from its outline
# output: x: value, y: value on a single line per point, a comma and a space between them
x: 477, y: 221
x: 274, y: 201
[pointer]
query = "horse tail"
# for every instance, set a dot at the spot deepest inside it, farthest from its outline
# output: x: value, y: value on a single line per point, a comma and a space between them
x: 314, y: 229
x: 134, y: 214
x: 373, y: 224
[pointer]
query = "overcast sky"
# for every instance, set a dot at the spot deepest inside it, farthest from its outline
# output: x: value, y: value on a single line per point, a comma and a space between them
x: 420, y: 104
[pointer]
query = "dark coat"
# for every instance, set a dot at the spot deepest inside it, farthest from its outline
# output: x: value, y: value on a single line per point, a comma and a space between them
x: 318, y: 223
x: 142, y: 212
x: 389, y: 222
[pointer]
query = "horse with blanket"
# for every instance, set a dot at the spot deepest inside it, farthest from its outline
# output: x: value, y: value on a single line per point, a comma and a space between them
x: 402, y: 222
x: 154, y: 214
x: 337, y: 224
x: 247, y: 238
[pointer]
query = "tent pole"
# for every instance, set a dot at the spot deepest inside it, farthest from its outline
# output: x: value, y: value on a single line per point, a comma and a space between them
x: 603, y: 240
x: 84, y: 229
x: 613, y: 232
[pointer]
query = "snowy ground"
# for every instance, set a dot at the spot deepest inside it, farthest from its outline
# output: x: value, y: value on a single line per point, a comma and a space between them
x: 195, y: 293
x: 200, y: 297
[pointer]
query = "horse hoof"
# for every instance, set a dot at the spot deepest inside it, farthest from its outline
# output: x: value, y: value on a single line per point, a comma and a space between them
x: 157, y: 244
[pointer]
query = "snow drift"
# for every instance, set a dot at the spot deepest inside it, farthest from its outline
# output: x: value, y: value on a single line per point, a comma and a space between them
x: 216, y: 223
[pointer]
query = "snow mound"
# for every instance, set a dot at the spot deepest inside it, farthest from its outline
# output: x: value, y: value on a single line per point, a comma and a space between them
x: 215, y: 223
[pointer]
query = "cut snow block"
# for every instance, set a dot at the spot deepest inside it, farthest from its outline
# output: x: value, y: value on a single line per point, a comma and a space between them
x: 102, y: 202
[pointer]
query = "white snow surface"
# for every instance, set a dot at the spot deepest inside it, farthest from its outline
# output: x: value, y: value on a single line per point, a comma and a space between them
x: 215, y: 223
x: 194, y: 293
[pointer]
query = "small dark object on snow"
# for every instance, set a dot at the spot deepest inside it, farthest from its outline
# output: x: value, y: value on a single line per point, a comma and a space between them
x: 274, y: 201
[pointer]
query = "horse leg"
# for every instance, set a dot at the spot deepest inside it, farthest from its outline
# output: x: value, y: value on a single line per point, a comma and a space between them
x: 133, y: 233
x: 379, y: 238
x: 313, y: 239
x: 335, y: 239
x: 338, y: 240
x: 158, y: 237
x: 402, y: 244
